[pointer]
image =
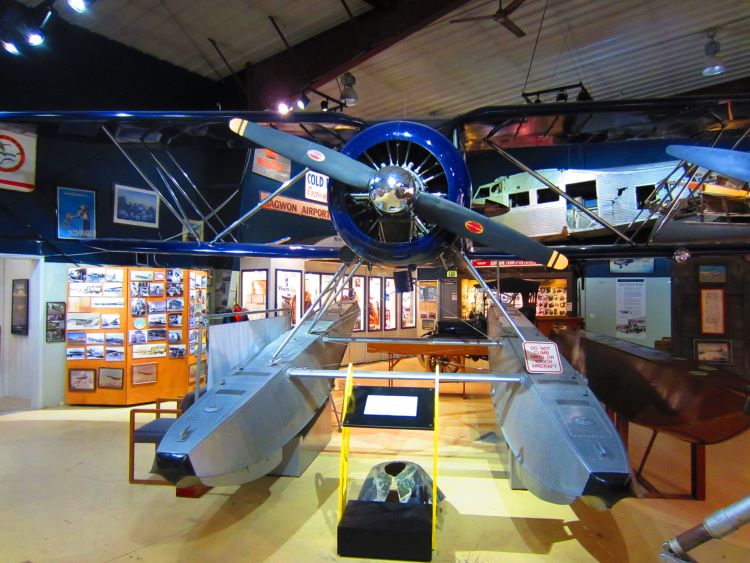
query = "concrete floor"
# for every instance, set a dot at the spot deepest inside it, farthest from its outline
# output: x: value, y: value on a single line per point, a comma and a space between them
x: 64, y: 496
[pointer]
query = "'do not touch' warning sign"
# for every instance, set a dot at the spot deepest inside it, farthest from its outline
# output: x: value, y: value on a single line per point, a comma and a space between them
x: 542, y: 357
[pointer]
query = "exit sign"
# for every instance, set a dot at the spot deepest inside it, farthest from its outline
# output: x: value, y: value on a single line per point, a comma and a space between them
x: 452, y: 273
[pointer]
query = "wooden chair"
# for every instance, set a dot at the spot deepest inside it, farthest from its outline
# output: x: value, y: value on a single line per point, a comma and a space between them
x: 153, y: 431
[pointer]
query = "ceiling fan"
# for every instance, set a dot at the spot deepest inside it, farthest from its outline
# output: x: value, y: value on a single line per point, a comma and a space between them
x: 501, y: 15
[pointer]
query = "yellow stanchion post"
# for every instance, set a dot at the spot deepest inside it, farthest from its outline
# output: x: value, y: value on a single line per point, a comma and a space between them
x: 344, y: 453
x: 435, y: 459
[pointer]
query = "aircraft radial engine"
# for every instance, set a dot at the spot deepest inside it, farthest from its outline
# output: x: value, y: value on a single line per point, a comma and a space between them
x: 562, y: 444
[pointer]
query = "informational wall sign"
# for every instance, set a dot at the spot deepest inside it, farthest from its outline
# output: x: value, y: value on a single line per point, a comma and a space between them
x: 505, y: 264
x: 631, y: 309
x: 391, y: 405
x: 542, y: 357
x: 296, y: 207
x: 17, y: 159
x: 316, y: 186
x: 272, y: 165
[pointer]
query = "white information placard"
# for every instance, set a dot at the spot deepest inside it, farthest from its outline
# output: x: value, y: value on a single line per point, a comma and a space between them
x: 391, y: 405
x: 542, y: 357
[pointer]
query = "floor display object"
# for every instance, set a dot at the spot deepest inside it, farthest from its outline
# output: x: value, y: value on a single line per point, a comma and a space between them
x: 395, y: 515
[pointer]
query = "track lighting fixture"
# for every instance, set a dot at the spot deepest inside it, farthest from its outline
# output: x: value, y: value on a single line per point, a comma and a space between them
x: 283, y: 108
x: 348, y: 94
x: 562, y: 96
x: 712, y: 64
x: 80, y: 6
x: 10, y: 47
x: 34, y: 34
x: 323, y: 105
x: 302, y: 101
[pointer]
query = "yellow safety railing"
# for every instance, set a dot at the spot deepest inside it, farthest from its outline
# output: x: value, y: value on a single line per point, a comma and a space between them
x: 345, y: 432
x: 435, y: 459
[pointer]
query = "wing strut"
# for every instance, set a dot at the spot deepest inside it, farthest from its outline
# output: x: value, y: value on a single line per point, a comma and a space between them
x: 330, y: 295
x: 283, y: 187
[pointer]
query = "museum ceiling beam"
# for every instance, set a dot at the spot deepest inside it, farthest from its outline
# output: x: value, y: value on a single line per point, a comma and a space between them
x: 322, y: 58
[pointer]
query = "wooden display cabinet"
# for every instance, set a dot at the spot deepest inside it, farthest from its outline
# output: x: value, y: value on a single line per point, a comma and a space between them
x: 138, y: 325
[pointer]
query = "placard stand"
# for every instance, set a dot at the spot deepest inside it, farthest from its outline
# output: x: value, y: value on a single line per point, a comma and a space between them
x: 387, y: 530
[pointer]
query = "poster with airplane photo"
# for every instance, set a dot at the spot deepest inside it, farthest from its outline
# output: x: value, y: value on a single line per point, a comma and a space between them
x: 137, y: 207
x: 76, y: 213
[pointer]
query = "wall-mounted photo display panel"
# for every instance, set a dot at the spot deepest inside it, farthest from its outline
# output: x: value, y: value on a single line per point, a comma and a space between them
x: 76, y: 213
x: 552, y: 298
x: 254, y: 291
x: 134, y: 206
x: 389, y: 304
x: 288, y: 292
x: 375, y: 304
x: 357, y: 292
x: 55, y: 321
x: 312, y: 289
x: 408, y: 309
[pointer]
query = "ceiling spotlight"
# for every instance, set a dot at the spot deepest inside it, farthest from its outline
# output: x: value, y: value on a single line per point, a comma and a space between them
x: 34, y: 35
x: 538, y: 100
x: 284, y: 108
x: 712, y: 65
x: 562, y: 96
x: 10, y: 47
x: 302, y: 101
x: 80, y: 6
x: 323, y: 105
x: 348, y: 93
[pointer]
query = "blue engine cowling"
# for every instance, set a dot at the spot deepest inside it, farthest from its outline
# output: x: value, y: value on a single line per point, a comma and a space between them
x: 413, y: 139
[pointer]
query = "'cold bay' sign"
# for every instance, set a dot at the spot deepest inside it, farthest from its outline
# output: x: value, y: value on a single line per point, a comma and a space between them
x: 316, y: 186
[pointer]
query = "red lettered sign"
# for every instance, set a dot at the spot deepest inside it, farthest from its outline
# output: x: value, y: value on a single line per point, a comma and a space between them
x: 542, y: 357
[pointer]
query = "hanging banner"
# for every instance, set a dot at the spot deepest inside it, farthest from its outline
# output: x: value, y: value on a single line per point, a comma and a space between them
x: 272, y: 165
x: 17, y: 159
x: 296, y: 207
x: 631, y: 309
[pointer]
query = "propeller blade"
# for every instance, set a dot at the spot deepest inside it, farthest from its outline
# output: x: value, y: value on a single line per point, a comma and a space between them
x: 464, y: 222
x: 312, y: 155
x: 727, y: 163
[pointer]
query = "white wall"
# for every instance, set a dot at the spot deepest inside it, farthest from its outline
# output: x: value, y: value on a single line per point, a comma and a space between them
x: 598, y: 308
x: 31, y: 368
x: 20, y: 355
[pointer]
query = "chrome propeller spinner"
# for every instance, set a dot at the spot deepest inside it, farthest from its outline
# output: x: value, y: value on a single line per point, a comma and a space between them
x: 392, y: 190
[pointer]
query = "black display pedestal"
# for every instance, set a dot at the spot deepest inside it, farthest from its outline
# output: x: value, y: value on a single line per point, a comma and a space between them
x: 386, y: 530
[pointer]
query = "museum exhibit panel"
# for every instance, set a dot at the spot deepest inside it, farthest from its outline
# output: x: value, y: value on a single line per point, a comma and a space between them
x: 364, y: 249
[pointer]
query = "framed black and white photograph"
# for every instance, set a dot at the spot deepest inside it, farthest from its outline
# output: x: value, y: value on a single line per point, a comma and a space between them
x: 19, y: 314
x: 110, y: 378
x: 713, y: 351
x: 82, y: 379
x: 143, y: 374
x: 134, y: 206
x: 55, y: 321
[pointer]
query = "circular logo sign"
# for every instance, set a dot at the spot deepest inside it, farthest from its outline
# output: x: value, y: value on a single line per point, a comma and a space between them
x: 12, y: 155
x: 317, y: 156
x: 474, y: 227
